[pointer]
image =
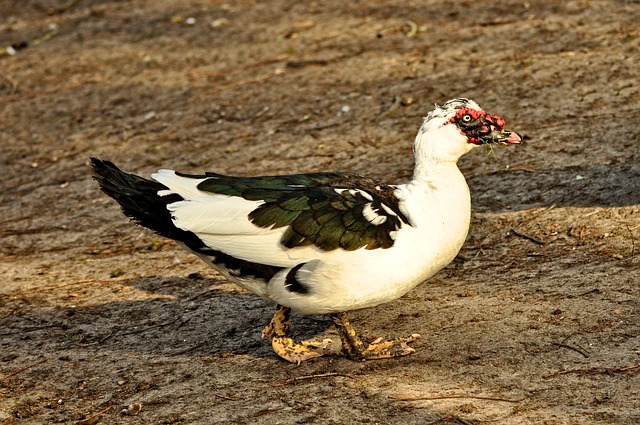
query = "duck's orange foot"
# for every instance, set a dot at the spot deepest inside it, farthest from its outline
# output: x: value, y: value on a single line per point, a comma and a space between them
x: 355, y: 349
x: 299, y: 351
x: 289, y: 349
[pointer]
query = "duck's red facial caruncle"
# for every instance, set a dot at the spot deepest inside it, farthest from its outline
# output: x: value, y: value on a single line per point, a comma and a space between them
x: 483, y: 128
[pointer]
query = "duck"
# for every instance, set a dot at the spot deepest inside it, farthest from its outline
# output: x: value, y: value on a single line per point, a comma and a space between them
x: 323, y: 243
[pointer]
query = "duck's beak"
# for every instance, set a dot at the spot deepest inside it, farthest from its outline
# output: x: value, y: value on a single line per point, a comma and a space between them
x: 499, y: 135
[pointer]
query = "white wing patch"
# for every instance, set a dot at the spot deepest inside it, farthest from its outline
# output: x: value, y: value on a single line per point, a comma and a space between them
x: 215, y: 215
x: 373, y: 217
x: 354, y: 192
x: 222, y: 223
x: 366, y: 195
x: 388, y: 210
x: 183, y: 186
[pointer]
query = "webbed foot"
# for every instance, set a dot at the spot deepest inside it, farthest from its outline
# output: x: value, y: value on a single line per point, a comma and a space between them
x: 286, y: 347
x: 355, y: 349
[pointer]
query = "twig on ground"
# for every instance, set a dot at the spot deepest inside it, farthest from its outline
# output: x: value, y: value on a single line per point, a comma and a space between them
x: 30, y: 329
x: 395, y: 104
x: 81, y: 282
x: 9, y: 312
x: 594, y: 370
x: 34, y: 231
x: 444, y: 397
x: 577, y: 350
x: 186, y: 350
x: 159, y: 325
x: 591, y: 291
x: 514, y: 232
x: 103, y: 339
x: 22, y: 369
x: 136, y: 331
x: 95, y: 415
x: 67, y: 86
x: 225, y: 397
x: 561, y: 199
x: 538, y: 214
x: 241, y: 83
x: 633, y: 242
x: 13, y: 220
x: 305, y: 377
x: 307, y: 62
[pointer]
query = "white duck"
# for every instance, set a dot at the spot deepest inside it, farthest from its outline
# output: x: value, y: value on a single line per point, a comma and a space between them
x: 323, y: 243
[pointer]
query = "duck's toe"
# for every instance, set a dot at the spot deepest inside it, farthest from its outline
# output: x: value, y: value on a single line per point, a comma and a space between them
x: 300, y: 351
x: 354, y: 348
x: 386, y: 349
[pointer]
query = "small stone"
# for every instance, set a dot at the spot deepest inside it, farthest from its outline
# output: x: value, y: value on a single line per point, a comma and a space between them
x: 149, y: 115
x: 220, y: 22
x: 133, y: 409
x: 406, y: 101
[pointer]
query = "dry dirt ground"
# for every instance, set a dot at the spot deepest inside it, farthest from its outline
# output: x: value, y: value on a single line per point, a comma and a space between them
x: 536, y: 321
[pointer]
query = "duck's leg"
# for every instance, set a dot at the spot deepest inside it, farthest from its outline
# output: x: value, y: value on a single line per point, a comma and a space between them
x: 285, y: 346
x: 355, y: 349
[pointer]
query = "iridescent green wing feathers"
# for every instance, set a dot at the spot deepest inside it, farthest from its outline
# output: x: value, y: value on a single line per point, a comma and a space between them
x: 328, y: 210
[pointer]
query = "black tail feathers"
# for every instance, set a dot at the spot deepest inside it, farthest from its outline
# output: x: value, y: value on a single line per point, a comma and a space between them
x: 138, y: 197
x: 139, y: 200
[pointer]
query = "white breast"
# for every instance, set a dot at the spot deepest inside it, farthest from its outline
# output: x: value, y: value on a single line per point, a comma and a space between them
x: 344, y: 280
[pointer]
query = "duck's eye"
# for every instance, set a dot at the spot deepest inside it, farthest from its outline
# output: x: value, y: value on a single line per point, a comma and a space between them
x: 466, y: 118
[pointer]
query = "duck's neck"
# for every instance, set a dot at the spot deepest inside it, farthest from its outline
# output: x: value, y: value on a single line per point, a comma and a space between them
x: 437, y: 148
x: 438, y: 191
x: 431, y: 171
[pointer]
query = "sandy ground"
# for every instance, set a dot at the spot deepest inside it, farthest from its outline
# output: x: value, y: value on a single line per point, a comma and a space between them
x: 535, y: 322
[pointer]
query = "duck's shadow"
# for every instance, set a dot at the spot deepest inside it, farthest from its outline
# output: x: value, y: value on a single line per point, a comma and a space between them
x: 177, y: 316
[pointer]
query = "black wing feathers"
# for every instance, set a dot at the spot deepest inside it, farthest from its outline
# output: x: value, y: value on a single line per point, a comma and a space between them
x: 138, y: 197
x: 322, y: 209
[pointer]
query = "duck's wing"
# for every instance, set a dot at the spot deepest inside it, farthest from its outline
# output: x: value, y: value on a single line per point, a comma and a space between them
x: 269, y: 219
x: 276, y: 221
